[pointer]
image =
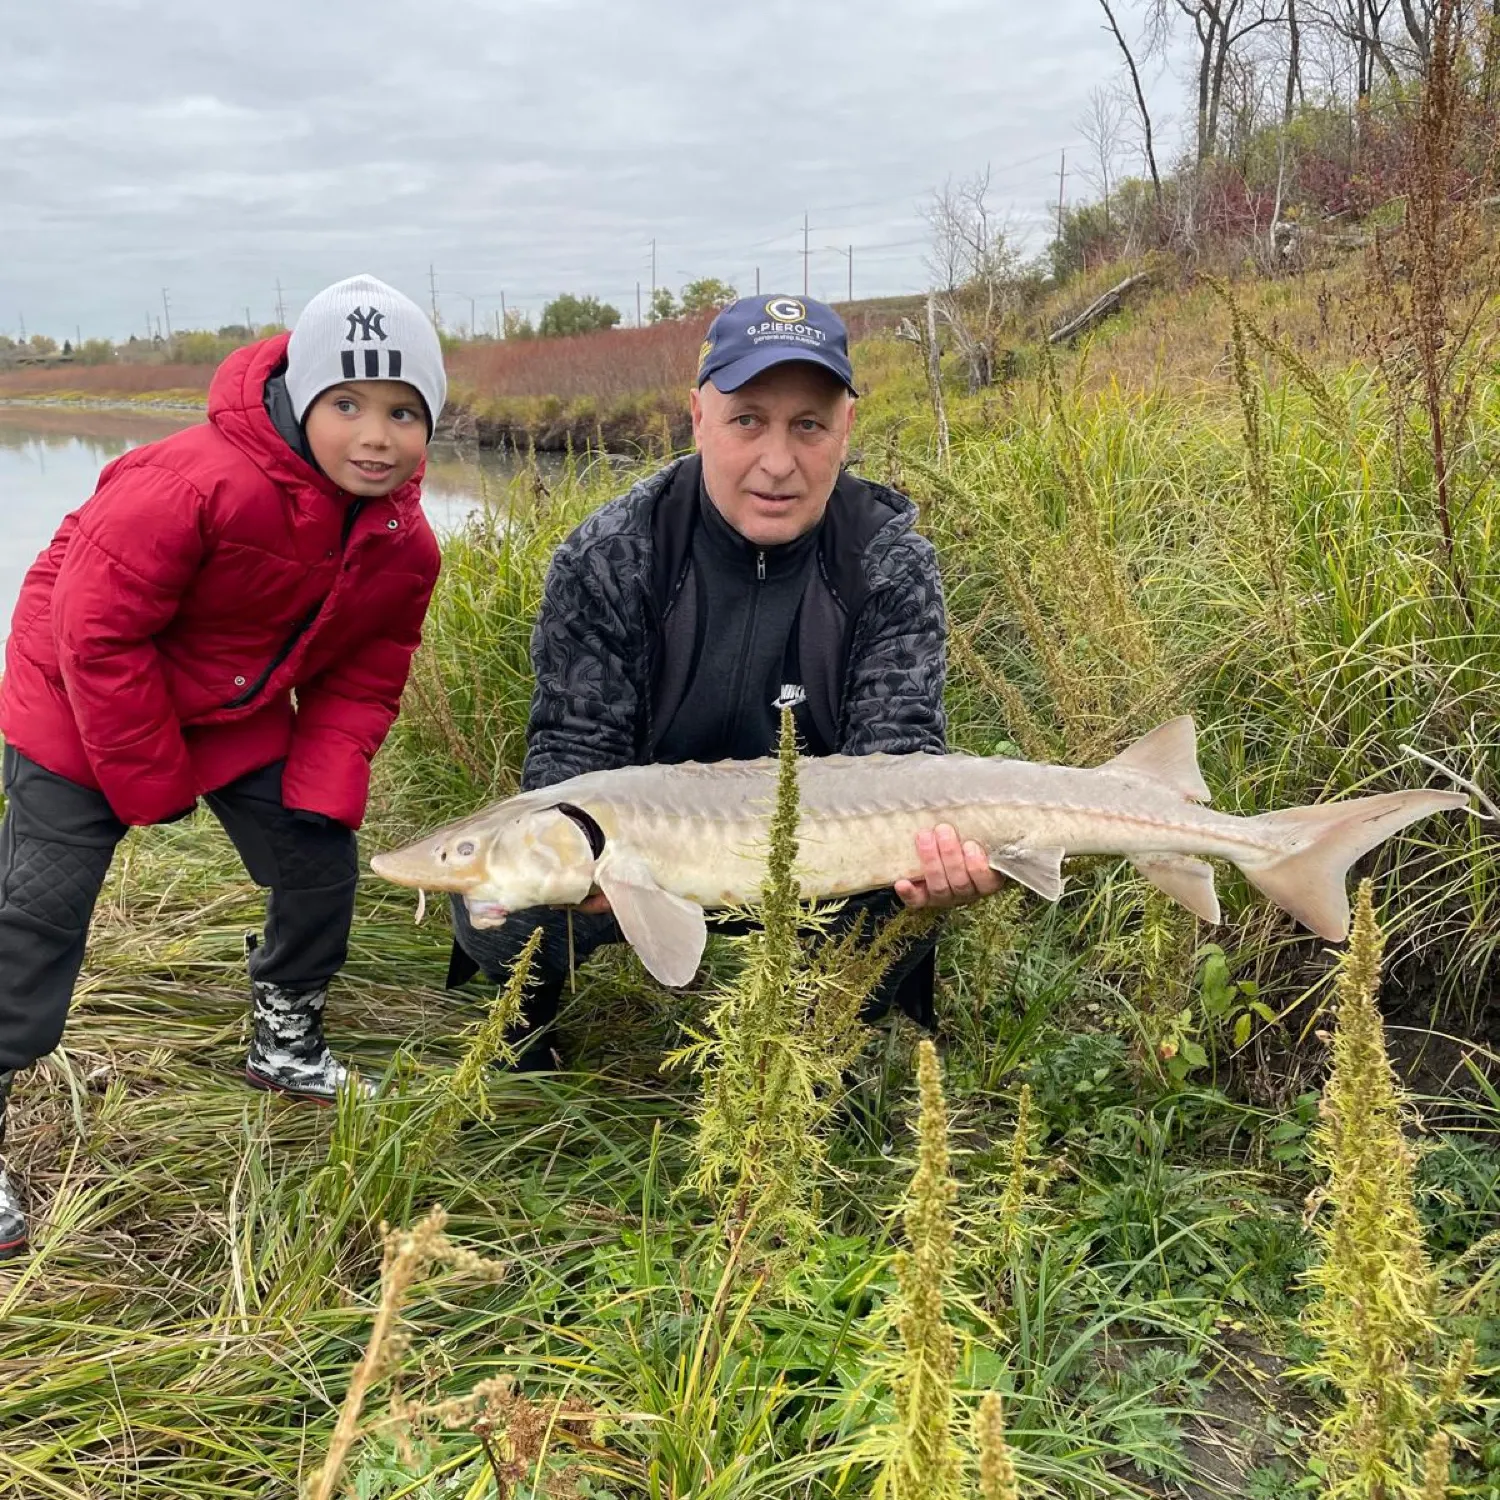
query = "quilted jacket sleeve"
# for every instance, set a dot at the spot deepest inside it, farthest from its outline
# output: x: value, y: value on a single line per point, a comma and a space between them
x: 586, y: 701
x: 893, y: 699
x: 346, y: 711
x: 136, y: 548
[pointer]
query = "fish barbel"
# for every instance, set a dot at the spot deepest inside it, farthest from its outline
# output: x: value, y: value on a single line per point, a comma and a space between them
x: 666, y: 842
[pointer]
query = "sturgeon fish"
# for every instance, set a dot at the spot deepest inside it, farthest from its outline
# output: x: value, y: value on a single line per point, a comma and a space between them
x: 666, y: 842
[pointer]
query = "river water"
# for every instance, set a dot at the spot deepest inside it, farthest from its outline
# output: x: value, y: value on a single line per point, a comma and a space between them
x: 50, y: 459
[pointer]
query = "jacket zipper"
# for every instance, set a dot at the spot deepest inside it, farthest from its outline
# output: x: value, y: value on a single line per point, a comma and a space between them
x: 305, y: 624
x: 736, y: 697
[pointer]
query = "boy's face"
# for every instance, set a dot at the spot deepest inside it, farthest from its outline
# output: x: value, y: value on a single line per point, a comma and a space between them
x: 368, y: 436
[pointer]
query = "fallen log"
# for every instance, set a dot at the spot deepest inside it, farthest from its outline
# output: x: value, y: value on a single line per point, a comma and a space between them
x: 1097, y: 311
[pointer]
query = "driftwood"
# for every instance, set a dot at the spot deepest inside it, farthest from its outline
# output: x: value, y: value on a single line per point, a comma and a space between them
x: 926, y: 340
x: 1097, y: 311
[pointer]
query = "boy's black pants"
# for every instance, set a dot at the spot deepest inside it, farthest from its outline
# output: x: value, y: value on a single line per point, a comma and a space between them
x: 56, y: 843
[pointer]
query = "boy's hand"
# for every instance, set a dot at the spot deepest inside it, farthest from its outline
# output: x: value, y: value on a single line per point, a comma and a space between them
x: 953, y: 873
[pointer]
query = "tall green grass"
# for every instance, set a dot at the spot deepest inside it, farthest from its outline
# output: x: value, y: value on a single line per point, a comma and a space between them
x: 208, y: 1260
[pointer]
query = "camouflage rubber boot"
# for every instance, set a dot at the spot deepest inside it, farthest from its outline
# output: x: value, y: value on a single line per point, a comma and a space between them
x: 12, y: 1217
x: 287, y: 1053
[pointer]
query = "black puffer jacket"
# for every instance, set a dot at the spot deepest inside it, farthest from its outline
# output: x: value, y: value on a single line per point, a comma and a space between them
x: 613, y: 640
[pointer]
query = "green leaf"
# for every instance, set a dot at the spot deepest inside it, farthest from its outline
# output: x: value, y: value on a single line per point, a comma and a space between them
x: 1242, y: 1029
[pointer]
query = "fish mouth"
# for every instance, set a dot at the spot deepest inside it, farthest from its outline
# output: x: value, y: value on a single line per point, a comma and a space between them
x: 486, y: 913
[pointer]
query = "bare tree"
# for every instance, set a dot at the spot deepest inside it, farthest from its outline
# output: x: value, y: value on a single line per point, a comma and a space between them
x: 1100, y: 125
x: 1361, y: 25
x: 972, y: 258
x: 1140, y: 102
x: 1288, y: 101
x: 1220, y: 26
x: 1293, y: 62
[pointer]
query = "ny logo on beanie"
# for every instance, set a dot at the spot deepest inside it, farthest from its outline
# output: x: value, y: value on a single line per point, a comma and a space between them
x: 369, y: 321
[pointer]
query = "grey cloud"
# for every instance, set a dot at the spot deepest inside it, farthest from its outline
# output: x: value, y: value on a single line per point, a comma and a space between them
x: 530, y: 147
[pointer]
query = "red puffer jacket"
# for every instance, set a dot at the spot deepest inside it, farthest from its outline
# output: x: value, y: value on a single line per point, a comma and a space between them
x: 158, y: 641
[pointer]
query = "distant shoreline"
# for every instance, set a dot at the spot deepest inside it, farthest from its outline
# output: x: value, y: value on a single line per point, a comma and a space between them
x: 177, y: 403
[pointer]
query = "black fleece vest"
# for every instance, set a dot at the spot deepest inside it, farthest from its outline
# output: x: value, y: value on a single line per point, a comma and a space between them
x: 818, y: 653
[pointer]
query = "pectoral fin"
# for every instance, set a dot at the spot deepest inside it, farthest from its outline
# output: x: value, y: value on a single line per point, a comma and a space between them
x: 1039, y: 870
x: 1189, y: 882
x: 667, y: 931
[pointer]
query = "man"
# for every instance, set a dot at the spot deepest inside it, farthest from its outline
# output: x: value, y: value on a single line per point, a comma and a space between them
x: 680, y: 617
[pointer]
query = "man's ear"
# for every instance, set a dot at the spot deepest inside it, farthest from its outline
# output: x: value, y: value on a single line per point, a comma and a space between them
x: 849, y: 403
x: 695, y: 405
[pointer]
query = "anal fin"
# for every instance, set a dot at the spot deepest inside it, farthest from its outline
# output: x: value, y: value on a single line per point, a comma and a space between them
x: 667, y: 931
x: 1039, y: 870
x: 1189, y: 882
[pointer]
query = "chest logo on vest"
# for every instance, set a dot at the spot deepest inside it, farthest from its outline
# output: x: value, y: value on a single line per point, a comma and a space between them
x: 791, y: 694
x: 368, y: 321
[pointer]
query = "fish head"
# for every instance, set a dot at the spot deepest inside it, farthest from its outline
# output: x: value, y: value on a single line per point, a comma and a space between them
x: 499, y: 862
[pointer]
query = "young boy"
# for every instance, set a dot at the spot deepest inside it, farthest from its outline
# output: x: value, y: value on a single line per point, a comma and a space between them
x: 279, y: 548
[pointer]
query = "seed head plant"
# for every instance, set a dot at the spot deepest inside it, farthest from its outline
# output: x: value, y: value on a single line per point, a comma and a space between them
x: 775, y: 1045
x: 1374, y: 1316
x: 997, y: 1471
x: 925, y: 1464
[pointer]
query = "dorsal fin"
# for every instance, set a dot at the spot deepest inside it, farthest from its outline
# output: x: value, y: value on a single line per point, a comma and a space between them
x: 1168, y: 754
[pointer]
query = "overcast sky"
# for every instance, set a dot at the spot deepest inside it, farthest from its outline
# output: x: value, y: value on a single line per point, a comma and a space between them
x: 526, y: 148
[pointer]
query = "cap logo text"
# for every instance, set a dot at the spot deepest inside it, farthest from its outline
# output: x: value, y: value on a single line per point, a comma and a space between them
x: 368, y: 321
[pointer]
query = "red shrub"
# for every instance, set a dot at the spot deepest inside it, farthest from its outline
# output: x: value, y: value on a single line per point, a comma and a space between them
x: 606, y: 366
x: 104, y: 380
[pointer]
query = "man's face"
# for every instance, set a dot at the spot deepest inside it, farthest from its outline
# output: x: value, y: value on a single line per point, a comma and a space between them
x: 368, y: 436
x: 772, y: 449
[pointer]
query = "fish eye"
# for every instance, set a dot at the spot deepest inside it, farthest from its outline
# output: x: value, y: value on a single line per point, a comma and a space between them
x: 465, y: 849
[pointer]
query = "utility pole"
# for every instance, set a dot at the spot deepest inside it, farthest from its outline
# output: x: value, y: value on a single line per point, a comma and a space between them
x: 166, y: 313
x: 23, y: 327
x: 280, y: 304
x: 77, y: 336
x: 757, y: 281
x: 806, y: 254
x: 148, y: 325
x: 637, y: 304
x: 498, y: 334
x: 653, y: 281
x: 504, y: 317
x: 249, y: 326
x: 848, y: 254
x: 1062, y: 172
x: 432, y: 281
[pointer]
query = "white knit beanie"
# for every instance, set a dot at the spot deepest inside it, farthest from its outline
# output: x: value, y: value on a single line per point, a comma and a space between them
x: 362, y: 329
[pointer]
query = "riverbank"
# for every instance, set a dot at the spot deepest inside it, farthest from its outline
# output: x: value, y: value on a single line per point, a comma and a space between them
x: 208, y: 1261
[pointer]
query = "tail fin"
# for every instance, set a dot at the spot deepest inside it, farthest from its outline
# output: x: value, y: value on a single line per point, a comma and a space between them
x: 1322, y: 842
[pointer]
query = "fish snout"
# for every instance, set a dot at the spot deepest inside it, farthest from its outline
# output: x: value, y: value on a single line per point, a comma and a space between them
x: 427, y: 866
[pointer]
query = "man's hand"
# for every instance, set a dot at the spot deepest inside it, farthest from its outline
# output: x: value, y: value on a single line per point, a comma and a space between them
x: 595, y: 903
x: 953, y: 874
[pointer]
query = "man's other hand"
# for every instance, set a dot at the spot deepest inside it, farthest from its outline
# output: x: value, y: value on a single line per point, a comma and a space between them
x: 953, y: 873
x: 595, y: 903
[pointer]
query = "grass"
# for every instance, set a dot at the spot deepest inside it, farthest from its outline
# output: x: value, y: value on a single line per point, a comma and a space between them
x: 208, y: 1266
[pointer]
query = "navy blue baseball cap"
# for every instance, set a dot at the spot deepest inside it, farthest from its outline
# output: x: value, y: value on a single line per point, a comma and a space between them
x: 755, y: 333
